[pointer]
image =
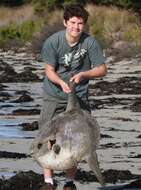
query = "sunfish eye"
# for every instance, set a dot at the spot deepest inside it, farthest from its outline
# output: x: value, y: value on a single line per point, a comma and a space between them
x: 39, y: 145
x: 56, y: 148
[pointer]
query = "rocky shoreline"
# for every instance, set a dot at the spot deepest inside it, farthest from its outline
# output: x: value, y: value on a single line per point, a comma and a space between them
x: 31, y: 180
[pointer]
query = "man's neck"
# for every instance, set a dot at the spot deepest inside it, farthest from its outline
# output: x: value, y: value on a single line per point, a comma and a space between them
x: 72, y: 41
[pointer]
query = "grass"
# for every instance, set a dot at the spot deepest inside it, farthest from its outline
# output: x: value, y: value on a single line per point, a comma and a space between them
x: 15, y: 15
x: 108, y: 24
x: 17, y: 25
x: 112, y: 24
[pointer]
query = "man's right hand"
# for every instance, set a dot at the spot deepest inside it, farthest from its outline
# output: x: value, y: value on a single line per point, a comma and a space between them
x: 53, y: 76
x: 65, y: 87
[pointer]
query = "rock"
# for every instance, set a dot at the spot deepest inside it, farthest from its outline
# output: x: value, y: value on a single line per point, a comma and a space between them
x: 23, y: 98
x: 22, y: 181
x: 26, y: 112
x: 30, y: 126
x: 124, y: 85
x: 27, y: 76
x: 136, y: 106
x: 113, y: 176
x: 8, y: 74
x: 105, y: 136
x: 5, y: 154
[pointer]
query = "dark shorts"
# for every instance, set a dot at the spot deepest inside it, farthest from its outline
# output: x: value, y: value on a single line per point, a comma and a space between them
x: 52, y: 107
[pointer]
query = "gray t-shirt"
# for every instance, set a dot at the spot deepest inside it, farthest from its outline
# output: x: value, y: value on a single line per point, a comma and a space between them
x: 66, y: 60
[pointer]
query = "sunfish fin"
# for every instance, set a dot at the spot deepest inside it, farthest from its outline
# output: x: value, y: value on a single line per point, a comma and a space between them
x: 94, y: 166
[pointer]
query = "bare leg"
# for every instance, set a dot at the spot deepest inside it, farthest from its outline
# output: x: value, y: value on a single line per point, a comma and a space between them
x: 48, y: 173
x: 48, y: 178
x: 70, y: 173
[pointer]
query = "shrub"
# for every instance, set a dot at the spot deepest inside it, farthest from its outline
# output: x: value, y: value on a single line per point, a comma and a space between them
x: 133, y: 34
x: 23, y: 32
x: 110, y: 24
x: 26, y: 30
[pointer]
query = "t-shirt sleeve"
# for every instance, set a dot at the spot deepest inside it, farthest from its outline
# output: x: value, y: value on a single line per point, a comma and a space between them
x: 48, y: 52
x: 95, y: 54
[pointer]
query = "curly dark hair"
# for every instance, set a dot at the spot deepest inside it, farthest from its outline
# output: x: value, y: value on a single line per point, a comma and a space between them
x: 75, y: 10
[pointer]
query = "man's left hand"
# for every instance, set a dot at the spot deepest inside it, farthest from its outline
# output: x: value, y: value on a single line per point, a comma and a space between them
x: 77, y: 78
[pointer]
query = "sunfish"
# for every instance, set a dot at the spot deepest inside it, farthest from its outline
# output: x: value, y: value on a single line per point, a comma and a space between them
x: 74, y: 135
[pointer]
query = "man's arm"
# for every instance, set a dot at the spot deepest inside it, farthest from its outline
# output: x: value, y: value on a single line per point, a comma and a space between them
x: 98, y: 71
x: 52, y: 76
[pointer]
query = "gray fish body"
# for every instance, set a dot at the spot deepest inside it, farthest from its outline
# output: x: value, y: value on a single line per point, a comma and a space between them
x: 76, y: 134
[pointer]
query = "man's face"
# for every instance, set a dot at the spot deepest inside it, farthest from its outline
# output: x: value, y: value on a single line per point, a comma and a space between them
x: 74, y: 26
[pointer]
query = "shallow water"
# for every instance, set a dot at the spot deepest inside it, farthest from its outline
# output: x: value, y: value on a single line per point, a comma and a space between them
x: 7, y: 118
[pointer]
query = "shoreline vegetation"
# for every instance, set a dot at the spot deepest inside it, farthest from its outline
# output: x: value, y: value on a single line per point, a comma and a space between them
x: 24, y: 27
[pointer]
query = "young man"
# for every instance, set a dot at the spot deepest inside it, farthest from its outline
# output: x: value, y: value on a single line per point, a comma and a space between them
x: 66, y: 52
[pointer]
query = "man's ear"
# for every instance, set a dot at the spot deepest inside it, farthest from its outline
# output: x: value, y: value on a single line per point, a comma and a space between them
x: 65, y: 23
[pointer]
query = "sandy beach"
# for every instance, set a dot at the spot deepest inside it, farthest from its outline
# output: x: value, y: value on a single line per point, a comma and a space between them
x: 117, y: 102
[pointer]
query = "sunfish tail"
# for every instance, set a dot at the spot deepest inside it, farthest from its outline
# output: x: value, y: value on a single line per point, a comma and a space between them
x: 94, y: 166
